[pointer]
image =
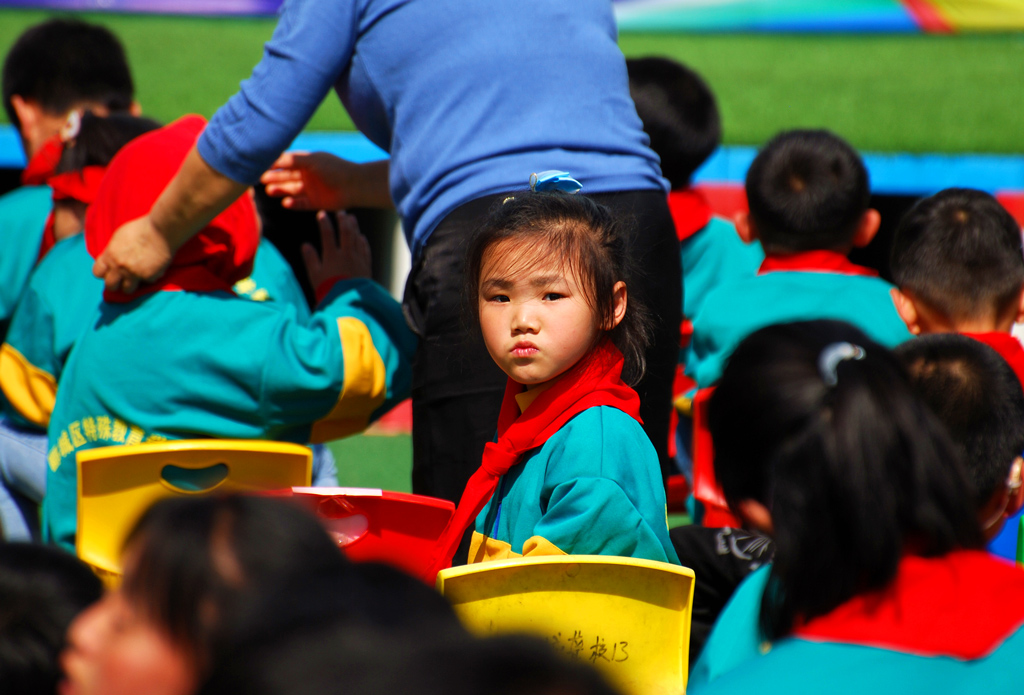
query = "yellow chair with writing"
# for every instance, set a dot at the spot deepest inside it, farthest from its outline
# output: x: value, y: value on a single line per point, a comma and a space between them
x: 629, y: 617
x: 116, y: 484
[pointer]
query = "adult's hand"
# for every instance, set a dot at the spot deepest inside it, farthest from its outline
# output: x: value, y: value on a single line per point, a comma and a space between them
x: 321, y: 181
x: 137, y: 251
x: 141, y: 249
x: 344, y: 256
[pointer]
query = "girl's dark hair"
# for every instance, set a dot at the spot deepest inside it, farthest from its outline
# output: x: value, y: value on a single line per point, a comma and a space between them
x: 99, y: 138
x: 195, y: 564
x: 856, y: 473
x: 594, y: 246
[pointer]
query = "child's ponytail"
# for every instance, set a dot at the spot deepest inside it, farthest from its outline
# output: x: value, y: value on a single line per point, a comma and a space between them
x: 818, y: 423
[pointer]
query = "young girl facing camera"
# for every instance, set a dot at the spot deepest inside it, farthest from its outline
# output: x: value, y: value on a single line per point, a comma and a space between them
x: 571, y: 470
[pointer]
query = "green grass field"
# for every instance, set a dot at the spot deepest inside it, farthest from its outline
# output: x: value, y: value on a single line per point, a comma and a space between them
x: 884, y: 93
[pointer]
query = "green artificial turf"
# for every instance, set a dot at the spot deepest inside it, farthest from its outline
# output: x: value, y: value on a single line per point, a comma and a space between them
x: 375, y: 461
x: 913, y: 93
x: 883, y: 92
x: 182, y: 64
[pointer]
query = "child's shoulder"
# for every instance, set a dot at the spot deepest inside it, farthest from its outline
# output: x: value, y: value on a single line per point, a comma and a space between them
x: 66, y: 254
x: 38, y: 199
x: 601, y: 433
x: 798, y: 287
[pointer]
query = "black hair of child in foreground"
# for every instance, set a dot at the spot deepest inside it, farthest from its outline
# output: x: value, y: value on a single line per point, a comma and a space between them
x: 209, y: 578
x: 362, y: 661
x: 800, y: 436
x: 191, y: 567
x: 42, y: 589
x: 978, y: 398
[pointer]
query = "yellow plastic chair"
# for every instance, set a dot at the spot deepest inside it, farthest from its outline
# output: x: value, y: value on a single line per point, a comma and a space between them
x: 116, y: 484
x: 630, y: 617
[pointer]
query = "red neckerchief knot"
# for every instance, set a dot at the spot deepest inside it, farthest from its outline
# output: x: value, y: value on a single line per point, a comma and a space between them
x: 594, y: 381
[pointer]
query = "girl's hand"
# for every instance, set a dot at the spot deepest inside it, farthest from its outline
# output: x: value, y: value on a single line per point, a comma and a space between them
x: 311, y: 181
x: 137, y: 252
x: 347, y: 256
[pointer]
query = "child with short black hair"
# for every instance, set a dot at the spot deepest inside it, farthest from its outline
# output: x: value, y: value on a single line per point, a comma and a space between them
x: 571, y: 470
x: 979, y: 399
x: 680, y: 115
x: 808, y: 194
x: 58, y: 66
x: 54, y: 68
x: 957, y: 260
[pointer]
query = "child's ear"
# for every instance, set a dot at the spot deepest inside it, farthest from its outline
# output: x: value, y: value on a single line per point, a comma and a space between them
x: 907, y: 310
x: 29, y: 115
x: 1020, y: 307
x: 135, y: 109
x: 1015, y: 489
x: 619, y: 301
x: 867, y: 228
x: 756, y: 516
x: 744, y: 227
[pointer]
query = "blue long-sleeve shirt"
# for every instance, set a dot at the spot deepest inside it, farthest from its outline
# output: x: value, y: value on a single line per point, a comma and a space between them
x: 469, y: 98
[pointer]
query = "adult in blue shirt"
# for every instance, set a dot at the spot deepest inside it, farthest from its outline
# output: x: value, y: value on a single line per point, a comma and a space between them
x: 468, y: 99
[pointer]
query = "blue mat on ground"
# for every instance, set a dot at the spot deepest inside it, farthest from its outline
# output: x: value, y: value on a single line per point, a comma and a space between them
x: 891, y: 173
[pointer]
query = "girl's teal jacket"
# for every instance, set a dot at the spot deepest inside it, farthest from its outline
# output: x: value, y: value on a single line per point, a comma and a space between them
x: 593, y: 488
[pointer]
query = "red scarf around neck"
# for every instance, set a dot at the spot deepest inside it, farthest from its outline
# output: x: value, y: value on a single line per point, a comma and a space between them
x: 690, y: 212
x: 594, y: 381
x: 43, y: 162
x: 962, y: 605
x: 813, y: 262
x: 78, y: 185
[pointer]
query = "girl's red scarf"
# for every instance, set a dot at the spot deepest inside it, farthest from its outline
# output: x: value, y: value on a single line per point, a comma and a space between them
x: 962, y: 605
x: 814, y: 262
x: 217, y: 257
x: 595, y: 380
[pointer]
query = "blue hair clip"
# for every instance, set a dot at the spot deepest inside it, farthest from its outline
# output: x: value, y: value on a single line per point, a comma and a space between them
x: 832, y: 355
x: 554, y: 181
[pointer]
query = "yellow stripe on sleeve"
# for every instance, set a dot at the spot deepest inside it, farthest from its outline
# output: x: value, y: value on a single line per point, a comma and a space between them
x: 364, y: 387
x: 29, y: 389
x: 539, y: 545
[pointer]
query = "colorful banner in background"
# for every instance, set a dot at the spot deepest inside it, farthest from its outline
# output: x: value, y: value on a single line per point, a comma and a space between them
x: 822, y: 16
x: 188, y: 7
x: 828, y: 16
